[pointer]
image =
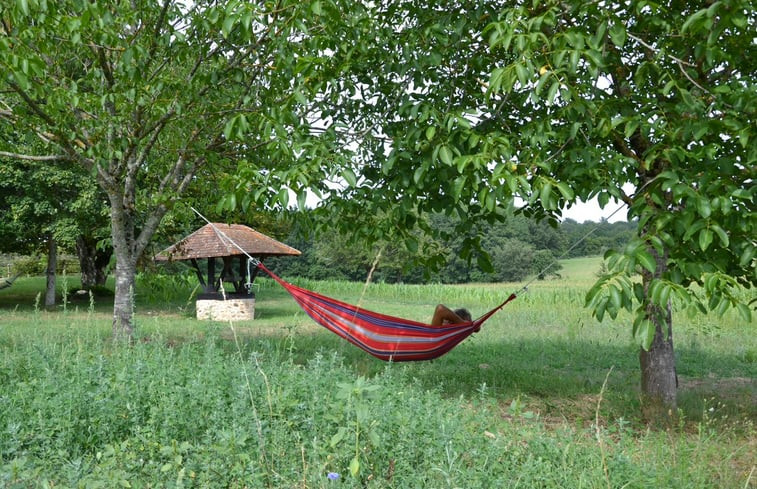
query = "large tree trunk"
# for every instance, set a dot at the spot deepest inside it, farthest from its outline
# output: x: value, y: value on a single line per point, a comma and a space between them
x: 658, y: 367
x: 92, y: 262
x: 123, y: 302
x: 122, y: 232
x: 52, y: 263
x: 128, y: 247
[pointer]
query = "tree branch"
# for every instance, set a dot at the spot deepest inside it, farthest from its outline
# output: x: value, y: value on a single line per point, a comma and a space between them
x: 19, y: 156
x: 64, y: 142
x: 156, y: 34
x: 657, y: 51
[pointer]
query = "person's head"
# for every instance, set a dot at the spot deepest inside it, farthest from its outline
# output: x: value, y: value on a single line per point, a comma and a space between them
x: 464, y: 313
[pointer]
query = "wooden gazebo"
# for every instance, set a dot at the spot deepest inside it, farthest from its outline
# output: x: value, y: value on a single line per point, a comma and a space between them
x: 218, y: 242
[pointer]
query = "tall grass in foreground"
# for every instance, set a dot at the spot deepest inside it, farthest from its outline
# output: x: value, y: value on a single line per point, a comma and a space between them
x: 77, y: 412
x: 543, y: 396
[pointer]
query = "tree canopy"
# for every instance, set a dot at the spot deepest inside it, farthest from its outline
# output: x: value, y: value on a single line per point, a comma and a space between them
x: 467, y: 104
x: 142, y: 95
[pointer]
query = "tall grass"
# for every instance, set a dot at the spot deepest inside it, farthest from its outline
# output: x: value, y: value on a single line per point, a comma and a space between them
x: 543, y: 396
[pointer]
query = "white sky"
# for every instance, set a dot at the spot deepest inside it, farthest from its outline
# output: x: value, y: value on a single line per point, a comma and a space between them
x: 590, y: 211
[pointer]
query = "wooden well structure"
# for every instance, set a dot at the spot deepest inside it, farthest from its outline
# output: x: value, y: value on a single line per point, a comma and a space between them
x: 219, y: 245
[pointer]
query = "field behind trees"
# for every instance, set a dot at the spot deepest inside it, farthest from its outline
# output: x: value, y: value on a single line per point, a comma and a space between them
x: 543, y: 396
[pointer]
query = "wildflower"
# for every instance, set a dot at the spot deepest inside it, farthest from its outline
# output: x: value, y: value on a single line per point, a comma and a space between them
x: 332, y: 476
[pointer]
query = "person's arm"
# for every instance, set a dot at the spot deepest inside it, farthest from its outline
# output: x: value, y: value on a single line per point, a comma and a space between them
x: 444, y: 315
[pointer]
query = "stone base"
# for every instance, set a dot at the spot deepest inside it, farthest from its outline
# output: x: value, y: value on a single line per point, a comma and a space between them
x: 231, y: 309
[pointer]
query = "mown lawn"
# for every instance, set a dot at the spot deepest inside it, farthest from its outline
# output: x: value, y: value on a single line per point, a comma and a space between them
x: 543, y: 396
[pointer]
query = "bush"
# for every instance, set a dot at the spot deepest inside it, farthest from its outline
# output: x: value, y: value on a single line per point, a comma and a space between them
x: 29, y: 265
x: 545, y: 264
x: 37, y: 264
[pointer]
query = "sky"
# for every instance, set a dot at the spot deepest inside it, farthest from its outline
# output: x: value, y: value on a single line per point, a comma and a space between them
x: 590, y: 211
x: 580, y: 212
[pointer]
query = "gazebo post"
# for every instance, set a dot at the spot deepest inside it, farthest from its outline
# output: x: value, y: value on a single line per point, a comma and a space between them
x: 242, y: 270
x: 198, y: 272
x: 211, y: 286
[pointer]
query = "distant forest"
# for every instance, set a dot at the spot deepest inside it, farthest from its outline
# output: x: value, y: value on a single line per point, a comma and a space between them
x: 517, y: 248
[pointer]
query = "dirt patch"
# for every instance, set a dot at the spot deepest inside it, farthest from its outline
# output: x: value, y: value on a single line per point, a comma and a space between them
x: 725, y: 388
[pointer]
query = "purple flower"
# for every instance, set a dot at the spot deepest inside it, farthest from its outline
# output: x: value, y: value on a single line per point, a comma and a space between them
x: 332, y: 476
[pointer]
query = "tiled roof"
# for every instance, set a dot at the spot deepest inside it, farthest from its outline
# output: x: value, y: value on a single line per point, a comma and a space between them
x: 217, y: 239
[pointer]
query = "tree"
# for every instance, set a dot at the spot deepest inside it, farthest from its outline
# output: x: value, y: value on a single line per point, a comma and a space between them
x: 142, y: 95
x: 661, y: 97
x: 32, y: 213
x: 558, y: 101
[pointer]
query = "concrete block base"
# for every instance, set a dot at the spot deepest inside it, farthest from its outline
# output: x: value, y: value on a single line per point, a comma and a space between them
x: 231, y: 309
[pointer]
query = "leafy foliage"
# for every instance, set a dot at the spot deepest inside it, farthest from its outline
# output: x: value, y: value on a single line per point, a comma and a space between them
x: 146, y: 96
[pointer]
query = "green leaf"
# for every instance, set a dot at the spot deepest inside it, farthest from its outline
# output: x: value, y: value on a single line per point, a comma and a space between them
x: 338, y: 437
x: 485, y: 263
x: 315, y: 7
x: 600, y: 34
x: 23, y: 5
x: 565, y: 190
x: 668, y: 87
x: 418, y: 174
x: 615, y: 298
x: 574, y: 57
x: 645, y: 333
x: 703, y: 206
x: 445, y: 154
x: 228, y: 129
x: 692, y: 19
x: 722, y: 235
x: 301, y: 200
x: 631, y: 127
x: 283, y: 196
x: 522, y: 72
x: 618, y: 34
x: 411, y: 244
x: 603, y: 198
x: 430, y: 132
x: 599, y: 310
x: 355, y: 466
x: 705, y: 239
x: 646, y: 260
x: 747, y: 255
x: 228, y: 25
x: 349, y: 176
x: 496, y: 80
x: 552, y: 92
x: 545, y: 195
x: 745, y: 312
x: 458, y: 185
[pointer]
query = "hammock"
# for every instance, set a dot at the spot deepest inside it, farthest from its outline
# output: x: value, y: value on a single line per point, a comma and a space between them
x: 385, y: 337
x: 7, y: 282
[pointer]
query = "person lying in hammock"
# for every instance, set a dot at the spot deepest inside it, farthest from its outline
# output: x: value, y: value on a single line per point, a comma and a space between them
x: 444, y: 315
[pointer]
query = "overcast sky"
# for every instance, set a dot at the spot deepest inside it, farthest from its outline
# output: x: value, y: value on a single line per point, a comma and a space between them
x: 590, y: 211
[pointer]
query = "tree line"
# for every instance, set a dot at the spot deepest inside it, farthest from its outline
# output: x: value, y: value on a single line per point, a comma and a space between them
x: 510, y: 250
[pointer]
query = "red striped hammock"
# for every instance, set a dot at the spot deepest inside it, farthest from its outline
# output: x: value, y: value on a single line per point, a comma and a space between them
x: 385, y: 337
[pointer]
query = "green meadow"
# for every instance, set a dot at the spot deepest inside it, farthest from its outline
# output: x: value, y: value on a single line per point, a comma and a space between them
x: 543, y: 397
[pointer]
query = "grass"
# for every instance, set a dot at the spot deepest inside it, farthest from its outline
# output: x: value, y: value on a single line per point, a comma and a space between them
x: 543, y: 396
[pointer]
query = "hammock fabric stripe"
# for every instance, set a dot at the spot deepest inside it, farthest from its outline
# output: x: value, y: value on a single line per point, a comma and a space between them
x: 385, y: 337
